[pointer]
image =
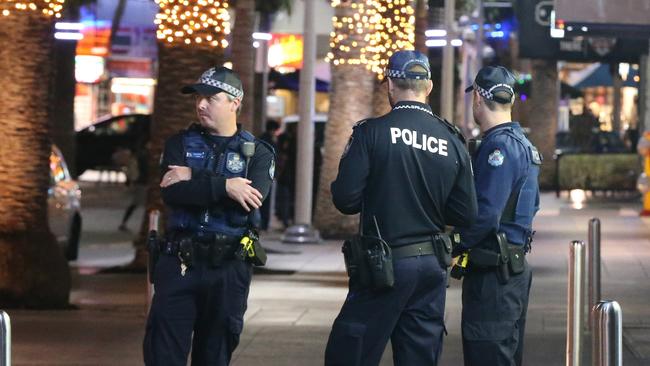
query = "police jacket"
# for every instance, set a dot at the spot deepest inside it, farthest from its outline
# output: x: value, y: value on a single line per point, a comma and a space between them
x: 506, y: 168
x: 201, y: 205
x: 411, y: 171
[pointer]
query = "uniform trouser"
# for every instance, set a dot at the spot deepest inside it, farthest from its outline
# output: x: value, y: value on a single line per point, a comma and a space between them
x: 411, y: 314
x: 494, y: 318
x: 204, y: 309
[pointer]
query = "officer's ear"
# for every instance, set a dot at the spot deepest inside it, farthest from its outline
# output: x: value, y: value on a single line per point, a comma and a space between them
x: 429, y: 86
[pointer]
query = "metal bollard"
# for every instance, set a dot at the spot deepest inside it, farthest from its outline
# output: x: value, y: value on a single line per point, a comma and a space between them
x: 5, y: 339
x: 154, y: 218
x: 593, y: 279
x: 575, y: 315
x: 608, y: 334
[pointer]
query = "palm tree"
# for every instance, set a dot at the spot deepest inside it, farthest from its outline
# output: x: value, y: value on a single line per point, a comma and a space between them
x: 351, y: 83
x: 542, y: 119
x: 33, y: 270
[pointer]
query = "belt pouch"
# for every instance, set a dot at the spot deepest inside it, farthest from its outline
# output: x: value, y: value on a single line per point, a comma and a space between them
x: 517, y: 261
x: 380, y: 263
x: 442, y: 248
x: 186, y: 251
x: 355, y: 263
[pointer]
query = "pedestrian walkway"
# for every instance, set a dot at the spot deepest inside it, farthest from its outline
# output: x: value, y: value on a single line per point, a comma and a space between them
x: 295, y: 299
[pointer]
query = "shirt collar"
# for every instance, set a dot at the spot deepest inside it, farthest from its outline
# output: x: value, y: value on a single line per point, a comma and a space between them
x: 413, y: 105
x: 500, y: 126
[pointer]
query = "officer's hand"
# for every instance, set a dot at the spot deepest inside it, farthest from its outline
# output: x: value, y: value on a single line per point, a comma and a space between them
x: 175, y: 174
x: 240, y: 190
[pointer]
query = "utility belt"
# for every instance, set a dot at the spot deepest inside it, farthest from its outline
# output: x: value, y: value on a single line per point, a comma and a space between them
x: 211, y: 249
x: 369, y: 259
x: 506, y: 259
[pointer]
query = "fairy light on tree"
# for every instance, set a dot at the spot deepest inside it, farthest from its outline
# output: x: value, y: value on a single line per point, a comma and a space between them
x: 47, y: 7
x: 395, y: 31
x: 204, y: 22
x: 353, y: 35
x: 369, y: 32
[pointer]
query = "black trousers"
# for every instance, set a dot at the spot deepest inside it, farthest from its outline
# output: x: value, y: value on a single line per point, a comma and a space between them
x: 494, y: 318
x: 203, y: 309
x: 411, y: 315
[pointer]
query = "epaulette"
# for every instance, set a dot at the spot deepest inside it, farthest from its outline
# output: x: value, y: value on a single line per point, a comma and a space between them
x: 454, y: 130
x: 247, y: 135
x: 360, y: 123
x: 268, y: 146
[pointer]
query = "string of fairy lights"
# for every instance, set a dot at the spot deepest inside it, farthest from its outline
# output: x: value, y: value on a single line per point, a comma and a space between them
x: 368, y: 32
x: 47, y: 7
x: 193, y: 22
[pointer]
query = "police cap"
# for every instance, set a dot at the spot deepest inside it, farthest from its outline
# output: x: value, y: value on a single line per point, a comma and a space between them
x: 491, y: 80
x: 215, y: 80
x: 401, y: 64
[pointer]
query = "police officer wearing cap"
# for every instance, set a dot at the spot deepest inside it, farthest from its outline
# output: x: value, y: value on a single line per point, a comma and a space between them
x: 410, y: 172
x: 506, y: 167
x: 210, y: 188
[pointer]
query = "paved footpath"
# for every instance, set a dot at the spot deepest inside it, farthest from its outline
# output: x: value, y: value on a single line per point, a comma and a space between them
x: 295, y: 300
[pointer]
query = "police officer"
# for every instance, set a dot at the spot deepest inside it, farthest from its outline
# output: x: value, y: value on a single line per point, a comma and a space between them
x: 409, y: 171
x: 210, y: 189
x: 506, y: 167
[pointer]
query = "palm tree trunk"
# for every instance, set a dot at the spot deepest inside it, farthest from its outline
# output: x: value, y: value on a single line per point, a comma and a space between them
x: 243, y: 60
x: 543, y: 116
x: 33, y: 270
x: 350, y: 84
x: 178, y: 65
x: 380, y: 102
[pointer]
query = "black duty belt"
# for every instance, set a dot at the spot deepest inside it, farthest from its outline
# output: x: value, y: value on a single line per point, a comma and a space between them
x: 413, y: 250
x: 222, y: 243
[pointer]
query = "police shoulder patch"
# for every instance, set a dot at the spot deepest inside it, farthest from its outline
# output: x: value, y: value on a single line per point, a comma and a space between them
x: 496, y: 158
x: 234, y: 163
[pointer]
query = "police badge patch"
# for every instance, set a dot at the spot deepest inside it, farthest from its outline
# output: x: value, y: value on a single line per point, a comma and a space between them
x: 496, y: 158
x: 272, y: 169
x: 234, y: 163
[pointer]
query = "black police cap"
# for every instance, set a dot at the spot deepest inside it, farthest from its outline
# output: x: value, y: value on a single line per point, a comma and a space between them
x: 491, y: 80
x: 215, y: 80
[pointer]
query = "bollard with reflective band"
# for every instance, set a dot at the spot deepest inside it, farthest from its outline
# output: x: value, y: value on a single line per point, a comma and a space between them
x: 608, y: 334
x: 154, y: 218
x: 5, y: 339
x: 593, y: 279
x: 575, y: 315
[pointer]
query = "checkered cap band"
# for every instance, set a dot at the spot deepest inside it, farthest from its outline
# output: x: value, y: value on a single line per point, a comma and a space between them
x: 398, y: 74
x: 395, y: 74
x: 487, y: 94
x: 221, y: 85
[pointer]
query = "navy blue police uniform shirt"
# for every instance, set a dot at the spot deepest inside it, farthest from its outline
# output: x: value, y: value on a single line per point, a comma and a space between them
x: 207, y: 188
x: 410, y: 171
x: 501, y: 165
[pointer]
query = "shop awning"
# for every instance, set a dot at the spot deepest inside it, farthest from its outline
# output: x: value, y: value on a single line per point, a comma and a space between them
x: 600, y: 75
